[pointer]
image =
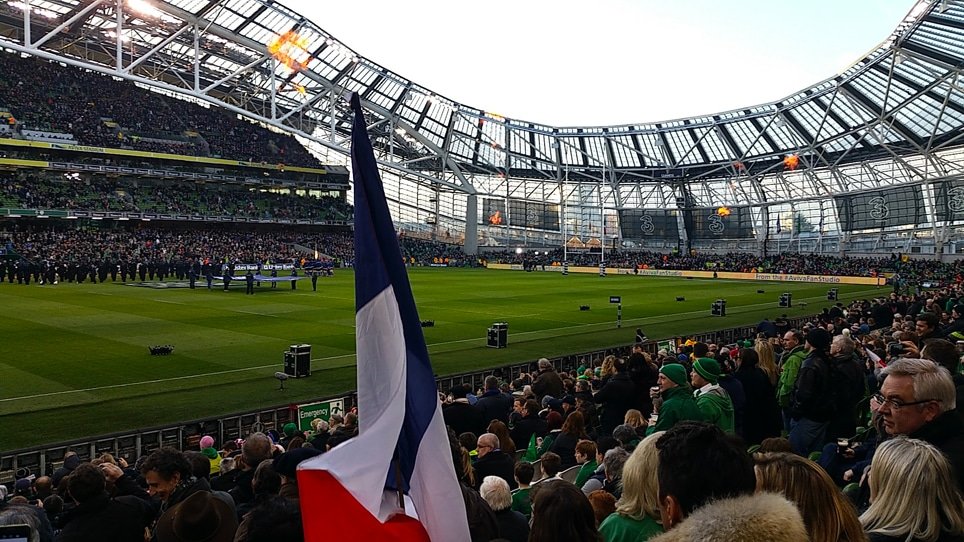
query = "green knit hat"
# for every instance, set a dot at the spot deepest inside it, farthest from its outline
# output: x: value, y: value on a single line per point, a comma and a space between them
x: 708, y: 368
x: 675, y: 372
x: 289, y: 429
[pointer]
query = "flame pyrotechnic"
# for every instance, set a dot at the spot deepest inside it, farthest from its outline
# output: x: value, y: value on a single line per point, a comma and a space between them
x: 723, y: 211
x: 791, y: 161
x: 495, y: 218
x: 291, y: 49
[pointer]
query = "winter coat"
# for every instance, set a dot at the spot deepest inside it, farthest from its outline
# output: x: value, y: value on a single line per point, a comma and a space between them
x: 548, y: 383
x: 716, y: 407
x: 617, y: 396
x: 678, y: 405
x: 762, y: 415
x: 109, y: 520
x: 761, y: 516
x: 494, y: 405
x: 788, y: 374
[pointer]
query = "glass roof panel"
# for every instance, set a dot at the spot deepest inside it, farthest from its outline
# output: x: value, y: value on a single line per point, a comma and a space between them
x: 716, y: 149
x: 595, y: 148
x: 684, y: 148
x: 245, y: 8
x: 624, y: 152
x: 228, y: 19
x: 748, y: 137
x: 189, y: 5
x: 941, y: 37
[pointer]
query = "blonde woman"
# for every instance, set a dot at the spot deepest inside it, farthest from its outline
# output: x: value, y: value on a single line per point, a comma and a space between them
x: 635, y: 419
x: 608, y: 368
x: 827, y: 513
x: 767, y: 360
x: 913, y: 495
x: 637, y: 513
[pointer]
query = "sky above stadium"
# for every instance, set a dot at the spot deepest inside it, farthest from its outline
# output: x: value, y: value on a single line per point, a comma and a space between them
x: 573, y: 62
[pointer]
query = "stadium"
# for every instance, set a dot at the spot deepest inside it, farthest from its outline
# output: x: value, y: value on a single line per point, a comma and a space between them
x: 176, y: 227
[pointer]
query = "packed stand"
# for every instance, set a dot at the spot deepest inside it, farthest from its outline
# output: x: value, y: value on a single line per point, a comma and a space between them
x: 424, y: 252
x: 771, y: 438
x: 912, y: 270
x: 101, y: 111
x: 242, y: 490
x: 168, y: 198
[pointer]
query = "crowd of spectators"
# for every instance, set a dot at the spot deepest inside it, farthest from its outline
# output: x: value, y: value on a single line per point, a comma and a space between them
x: 102, y: 111
x: 214, y: 200
x: 911, y: 269
x: 426, y: 252
x: 844, y: 428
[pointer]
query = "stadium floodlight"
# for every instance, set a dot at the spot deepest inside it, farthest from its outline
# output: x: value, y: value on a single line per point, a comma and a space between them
x: 518, y: 250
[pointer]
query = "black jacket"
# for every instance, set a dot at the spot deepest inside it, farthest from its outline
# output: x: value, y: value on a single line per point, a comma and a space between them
x: 494, y: 405
x: 812, y: 396
x: 463, y: 417
x: 617, y: 396
x: 761, y: 417
x: 103, y: 519
x: 513, y: 526
x: 523, y: 430
x: 495, y: 463
x: 946, y: 432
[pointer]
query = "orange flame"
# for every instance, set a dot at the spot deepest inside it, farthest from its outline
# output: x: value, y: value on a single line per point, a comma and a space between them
x: 495, y: 218
x: 723, y: 211
x: 291, y: 49
x: 791, y: 161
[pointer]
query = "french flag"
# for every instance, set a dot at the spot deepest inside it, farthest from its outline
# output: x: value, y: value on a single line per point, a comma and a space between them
x: 352, y: 491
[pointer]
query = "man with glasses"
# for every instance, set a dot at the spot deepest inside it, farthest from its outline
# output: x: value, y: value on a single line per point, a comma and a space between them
x: 918, y: 399
x: 493, y: 461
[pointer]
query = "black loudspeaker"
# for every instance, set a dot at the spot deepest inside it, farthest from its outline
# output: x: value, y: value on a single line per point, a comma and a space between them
x: 298, y: 360
x: 718, y: 308
x: 680, y: 298
x: 832, y: 294
x: 786, y: 299
x: 498, y: 335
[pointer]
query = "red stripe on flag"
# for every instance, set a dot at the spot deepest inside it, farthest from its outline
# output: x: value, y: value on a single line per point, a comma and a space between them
x: 330, y: 512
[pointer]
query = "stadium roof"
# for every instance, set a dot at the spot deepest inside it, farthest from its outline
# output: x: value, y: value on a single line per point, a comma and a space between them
x: 260, y: 58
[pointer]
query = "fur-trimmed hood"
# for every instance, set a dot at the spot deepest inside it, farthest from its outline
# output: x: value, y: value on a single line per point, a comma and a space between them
x: 760, y: 517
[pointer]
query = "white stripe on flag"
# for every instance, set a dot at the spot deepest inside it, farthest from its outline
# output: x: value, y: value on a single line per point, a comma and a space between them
x: 435, y: 490
x: 361, y: 464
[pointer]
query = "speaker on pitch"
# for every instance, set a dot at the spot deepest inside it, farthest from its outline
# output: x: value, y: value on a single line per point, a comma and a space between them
x: 497, y: 335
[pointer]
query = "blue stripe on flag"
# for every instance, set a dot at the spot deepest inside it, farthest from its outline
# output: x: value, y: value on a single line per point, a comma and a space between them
x: 378, y: 264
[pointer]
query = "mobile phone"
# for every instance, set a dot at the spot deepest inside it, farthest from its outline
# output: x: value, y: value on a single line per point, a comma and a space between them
x: 15, y: 533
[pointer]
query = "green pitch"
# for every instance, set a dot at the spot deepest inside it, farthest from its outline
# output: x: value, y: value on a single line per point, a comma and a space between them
x: 75, y: 358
